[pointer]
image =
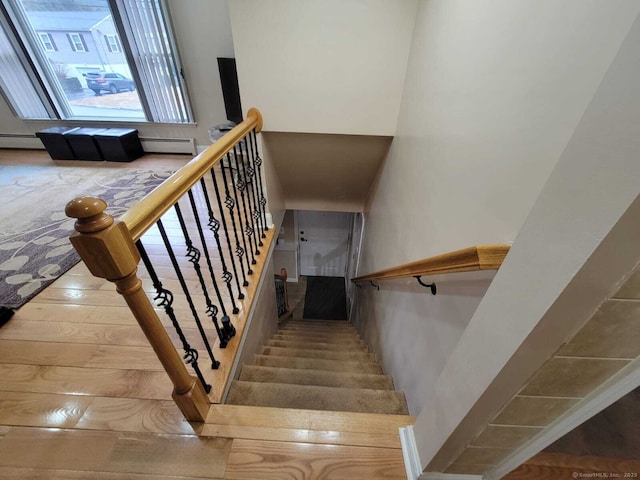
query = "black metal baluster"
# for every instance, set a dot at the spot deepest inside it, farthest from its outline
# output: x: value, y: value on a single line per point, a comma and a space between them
x: 193, y: 254
x: 258, y: 162
x: 242, y: 186
x: 212, y: 219
x: 250, y: 179
x: 227, y: 276
x: 214, y: 363
x: 165, y: 298
x: 246, y: 165
x: 228, y: 330
x: 237, y: 184
x: 231, y: 203
x: 257, y: 216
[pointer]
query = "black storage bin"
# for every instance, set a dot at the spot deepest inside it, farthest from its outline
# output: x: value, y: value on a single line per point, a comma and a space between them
x: 56, y: 143
x: 119, y: 144
x: 83, y: 143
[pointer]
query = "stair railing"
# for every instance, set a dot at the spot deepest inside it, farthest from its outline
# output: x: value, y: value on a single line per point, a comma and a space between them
x: 221, y: 189
x: 477, y: 257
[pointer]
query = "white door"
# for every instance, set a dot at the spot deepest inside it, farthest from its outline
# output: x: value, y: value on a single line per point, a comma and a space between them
x: 324, y: 242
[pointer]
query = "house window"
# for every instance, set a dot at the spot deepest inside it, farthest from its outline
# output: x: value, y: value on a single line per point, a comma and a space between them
x: 77, y: 42
x: 112, y: 43
x: 47, y: 42
x: 134, y: 76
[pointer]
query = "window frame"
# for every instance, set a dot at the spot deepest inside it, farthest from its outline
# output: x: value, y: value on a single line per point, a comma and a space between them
x: 80, y: 42
x: 49, y: 40
x: 154, y: 105
x: 112, y: 43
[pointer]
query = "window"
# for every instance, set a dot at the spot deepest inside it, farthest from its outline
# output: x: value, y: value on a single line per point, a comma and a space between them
x: 77, y: 42
x: 47, y: 42
x: 19, y: 87
x: 112, y: 43
x: 119, y: 62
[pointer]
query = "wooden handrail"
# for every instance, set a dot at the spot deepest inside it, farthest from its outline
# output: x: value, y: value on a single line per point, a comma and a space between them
x: 478, y: 257
x: 148, y: 211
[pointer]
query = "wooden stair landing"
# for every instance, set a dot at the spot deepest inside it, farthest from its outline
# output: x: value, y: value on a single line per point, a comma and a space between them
x: 317, y: 365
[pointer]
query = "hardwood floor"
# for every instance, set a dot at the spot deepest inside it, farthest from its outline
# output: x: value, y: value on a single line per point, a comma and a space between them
x: 82, y: 396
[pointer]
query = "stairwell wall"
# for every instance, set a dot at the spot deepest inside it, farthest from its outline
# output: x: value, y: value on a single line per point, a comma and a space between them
x: 493, y: 92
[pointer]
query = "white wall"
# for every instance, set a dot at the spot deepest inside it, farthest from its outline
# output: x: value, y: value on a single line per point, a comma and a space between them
x: 331, y: 66
x: 203, y: 33
x: 576, y: 245
x: 494, y: 90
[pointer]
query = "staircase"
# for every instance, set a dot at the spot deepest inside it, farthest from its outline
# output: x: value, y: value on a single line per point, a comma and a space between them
x: 317, y: 365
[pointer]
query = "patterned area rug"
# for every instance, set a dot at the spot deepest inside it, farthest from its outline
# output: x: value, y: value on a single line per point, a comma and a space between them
x: 34, y: 231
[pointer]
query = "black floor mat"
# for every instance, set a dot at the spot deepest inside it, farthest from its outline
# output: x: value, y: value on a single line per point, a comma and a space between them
x: 325, y: 299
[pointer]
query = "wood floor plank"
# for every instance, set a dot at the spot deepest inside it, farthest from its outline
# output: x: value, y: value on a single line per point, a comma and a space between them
x: 4, y: 429
x: 41, y: 409
x: 593, y: 463
x: 51, y: 312
x: 11, y: 473
x: 70, y: 332
x: 186, y: 455
x: 251, y: 459
x: 52, y: 448
x: 100, y: 334
x: 135, y: 415
x: 141, y: 384
x: 78, y: 355
x: 103, y: 451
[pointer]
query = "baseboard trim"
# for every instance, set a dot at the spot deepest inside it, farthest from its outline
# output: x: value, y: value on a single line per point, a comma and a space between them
x: 449, y: 476
x: 169, y: 145
x: 149, y: 144
x: 19, y: 141
x: 410, y: 452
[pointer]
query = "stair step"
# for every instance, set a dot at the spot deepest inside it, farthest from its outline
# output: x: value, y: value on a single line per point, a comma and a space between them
x: 332, y: 323
x: 317, y: 364
x: 296, y: 344
x: 255, y: 373
x: 331, y: 332
x: 325, y: 354
x: 313, y: 397
x: 325, y: 326
x: 333, y: 339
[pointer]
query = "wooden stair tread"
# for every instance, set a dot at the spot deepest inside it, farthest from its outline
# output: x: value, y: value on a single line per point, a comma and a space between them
x: 353, y: 422
x: 317, y: 364
x: 256, y: 373
x: 317, y: 398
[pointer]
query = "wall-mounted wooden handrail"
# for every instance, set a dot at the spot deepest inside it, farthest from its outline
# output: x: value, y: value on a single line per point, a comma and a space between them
x: 147, y: 211
x: 478, y: 257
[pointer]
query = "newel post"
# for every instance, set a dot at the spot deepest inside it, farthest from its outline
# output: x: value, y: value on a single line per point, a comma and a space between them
x: 108, y: 250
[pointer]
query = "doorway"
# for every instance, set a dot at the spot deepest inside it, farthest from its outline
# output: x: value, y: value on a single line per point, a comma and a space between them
x: 323, y: 242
